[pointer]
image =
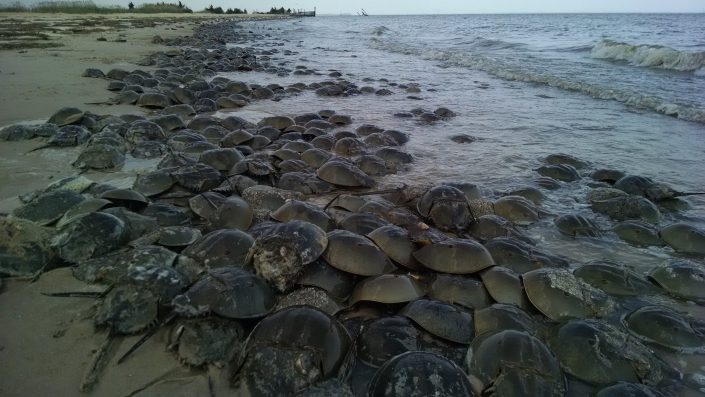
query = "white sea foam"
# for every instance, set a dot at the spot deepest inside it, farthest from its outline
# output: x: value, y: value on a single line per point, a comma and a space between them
x: 650, y: 56
x: 497, y: 68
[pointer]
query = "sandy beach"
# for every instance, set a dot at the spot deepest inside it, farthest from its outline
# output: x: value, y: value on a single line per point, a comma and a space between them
x: 46, y: 343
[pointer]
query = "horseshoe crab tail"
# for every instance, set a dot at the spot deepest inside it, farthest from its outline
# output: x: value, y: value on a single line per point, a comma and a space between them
x: 146, y: 337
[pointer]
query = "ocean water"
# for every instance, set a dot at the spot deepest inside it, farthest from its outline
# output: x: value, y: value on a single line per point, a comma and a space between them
x: 620, y: 91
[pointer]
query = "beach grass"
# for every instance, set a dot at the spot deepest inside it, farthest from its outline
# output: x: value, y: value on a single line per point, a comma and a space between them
x: 88, y: 7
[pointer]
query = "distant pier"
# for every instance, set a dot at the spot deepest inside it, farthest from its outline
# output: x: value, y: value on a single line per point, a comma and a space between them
x: 302, y: 13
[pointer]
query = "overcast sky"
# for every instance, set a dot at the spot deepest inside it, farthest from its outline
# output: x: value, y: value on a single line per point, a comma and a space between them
x: 378, y: 7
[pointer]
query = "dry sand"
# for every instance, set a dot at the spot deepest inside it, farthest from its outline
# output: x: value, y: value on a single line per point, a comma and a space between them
x: 47, y: 343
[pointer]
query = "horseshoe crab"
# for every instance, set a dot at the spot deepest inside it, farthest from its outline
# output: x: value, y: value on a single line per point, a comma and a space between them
x: 221, y: 159
x: 561, y: 172
x: 361, y: 223
x: 100, y: 157
x: 629, y: 389
x: 455, y: 256
x: 320, y: 274
x: 298, y: 356
x: 352, y: 253
x: 144, y: 130
x: 559, y: 295
x: 562, y: 158
x: 665, y: 327
x: 684, y: 238
x: 446, y: 206
x: 127, y: 310
x: 66, y: 116
x: 210, y: 340
x: 69, y: 135
x: 500, y: 317
x: 24, y: 248
x: 387, y: 288
x: 682, y: 278
x: 461, y: 290
x: 299, y: 210
x: 114, y: 267
x: 638, y: 233
x: 315, y: 157
x: 279, y: 256
x: 205, y: 205
x: 513, y: 363
x: 221, y: 248
x: 49, y: 207
x: 342, y: 173
x: 396, y: 243
x: 627, y: 207
x: 311, y: 296
x: 504, y: 286
x: 228, y: 292
x: 88, y: 236
x: 596, y: 352
x: 488, y: 227
x: 517, y: 209
x: 385, y: 338
x: 416, y: 374
x: 198, y: 177
x: 441, y: 319
x: 614, y: 279
x: 128, y: 198
x: 577, y: 225
x: 233, y: 213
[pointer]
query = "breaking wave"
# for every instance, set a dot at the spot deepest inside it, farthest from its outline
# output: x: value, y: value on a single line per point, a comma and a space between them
x: 380, y: 30
x: 654, y: 56
x: 498, y: 69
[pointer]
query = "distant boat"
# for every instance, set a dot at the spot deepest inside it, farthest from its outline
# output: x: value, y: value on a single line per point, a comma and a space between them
x: 364, y: 13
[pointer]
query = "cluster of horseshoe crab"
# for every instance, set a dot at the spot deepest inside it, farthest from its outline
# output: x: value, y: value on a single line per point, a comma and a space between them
x: 272, y: 249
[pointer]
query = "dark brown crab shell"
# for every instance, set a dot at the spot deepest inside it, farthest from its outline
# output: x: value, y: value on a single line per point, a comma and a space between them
x: 127, y: 310
x: 682, y: 278
x: 320, y: 274
x: 396, y: 243
x: 441, y: 319
x: 344, y: 174
x: 353, y: 253
x: 504, y: 285
x: 299, y: 210
x: 614, y: 279
x: 279, y: 256
x: 560, y: 295
x: 561, y: 172
x: 513, y: 363
x: 224, y: 247
x: 517, y: 209
x: 575, y: 225
x: 385, y: 338
x: 461, y: 290
x: 417, y: 373
x: 126, y: 197
x: 387, y: 288
x: 49, y: 206
x: 211, y: 340
x: 455, y: 256
x: 597, y: 352
x: 229, y: 292
x: 198, y: 177
x: 88, y: 236
x: 315, y: 330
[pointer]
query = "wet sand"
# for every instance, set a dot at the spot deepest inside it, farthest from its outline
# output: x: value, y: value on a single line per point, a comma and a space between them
x: 47, y: 343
